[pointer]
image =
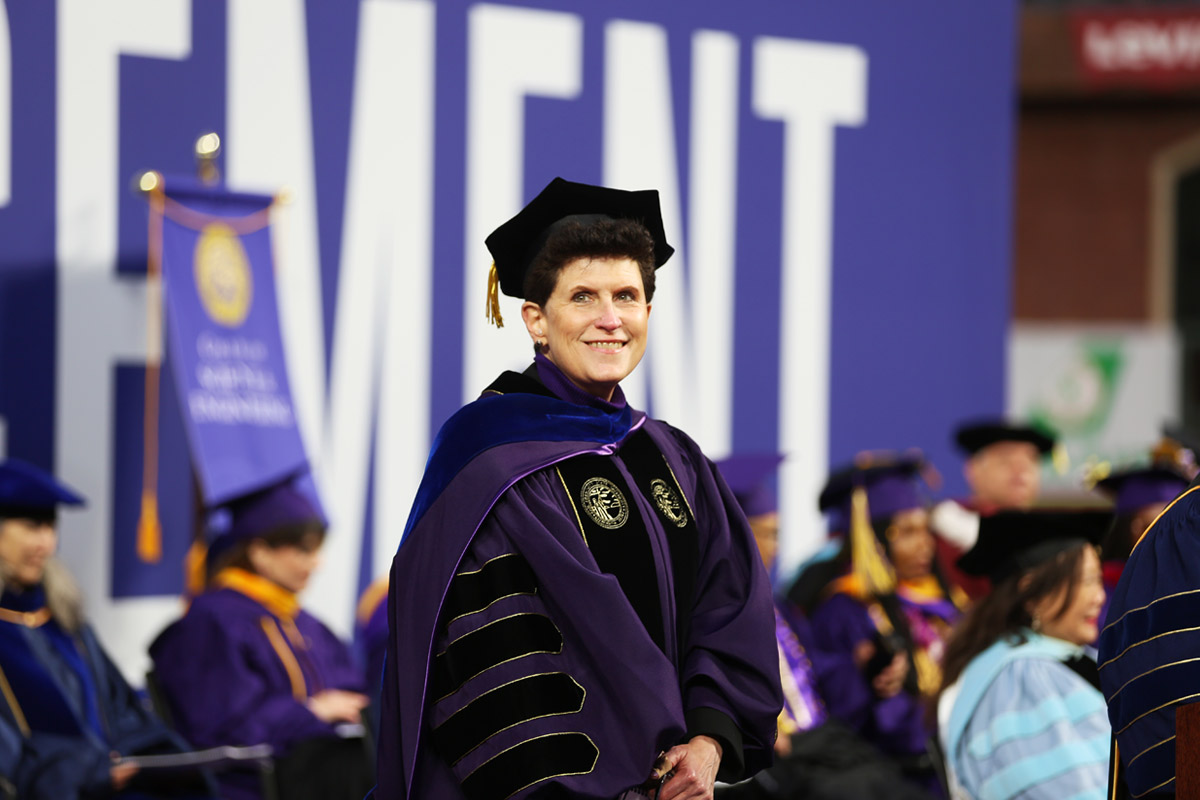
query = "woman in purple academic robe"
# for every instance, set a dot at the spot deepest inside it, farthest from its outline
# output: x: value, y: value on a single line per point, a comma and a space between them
x: 818, y: 757
x: 891, y: 611
x: 67, y: 715
x: 576, y: 608
x: 247, y: 665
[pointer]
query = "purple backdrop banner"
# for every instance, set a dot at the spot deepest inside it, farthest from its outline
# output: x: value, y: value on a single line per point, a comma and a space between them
x: 836, y: 178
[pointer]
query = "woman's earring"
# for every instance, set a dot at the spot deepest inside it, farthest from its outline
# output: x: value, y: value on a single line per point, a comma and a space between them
x: 1036, y: 624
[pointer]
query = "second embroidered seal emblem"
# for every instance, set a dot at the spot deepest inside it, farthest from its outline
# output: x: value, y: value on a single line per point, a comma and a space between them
x: 668, y: 502
x: 604, y: 503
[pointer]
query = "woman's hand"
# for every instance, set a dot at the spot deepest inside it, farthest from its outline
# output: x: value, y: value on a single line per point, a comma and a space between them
x: 783, y: 744
x: 890, y: 681
x: 120, y: 775
x: 337, y: 705
x: 695, y: 765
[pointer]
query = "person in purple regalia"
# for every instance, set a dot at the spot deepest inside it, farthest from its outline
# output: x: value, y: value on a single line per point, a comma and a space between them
x: 247, y: 665
x: 576, y: 608
x: 890, y: 601
x: 1139, y: 495
x: 67, y: 716
x: 818, y: 756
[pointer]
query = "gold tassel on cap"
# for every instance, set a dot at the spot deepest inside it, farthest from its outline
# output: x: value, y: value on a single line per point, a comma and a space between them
x: 874, y: 574
x: 493, y: 298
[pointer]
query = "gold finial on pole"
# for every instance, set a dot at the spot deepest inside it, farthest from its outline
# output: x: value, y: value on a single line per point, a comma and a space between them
x: 148, y: 181
x: 208, y: 147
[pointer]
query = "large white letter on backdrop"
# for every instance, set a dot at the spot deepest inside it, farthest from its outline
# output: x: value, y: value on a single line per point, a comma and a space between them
x: 92, y: 35
x: 690, y: 372
x: 512, y: 53
x: 268, y: 147
x: 812, y: 88
x: 381, y: 362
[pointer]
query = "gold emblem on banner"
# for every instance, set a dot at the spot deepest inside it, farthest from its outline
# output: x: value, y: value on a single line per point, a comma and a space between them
x: 604, y: 503
x: 668, y: 502
x: 223, y: 278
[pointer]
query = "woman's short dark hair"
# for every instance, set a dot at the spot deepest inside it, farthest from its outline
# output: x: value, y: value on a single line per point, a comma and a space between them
x: 605, y: 238
x: 303, y: 536
x: 1005, y: 610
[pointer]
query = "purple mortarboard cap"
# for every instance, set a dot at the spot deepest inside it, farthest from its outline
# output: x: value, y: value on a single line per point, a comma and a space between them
x: 26, y: 490
x: 892, y: 483
x: 1134, y: 489
x: 258, y: 513
x: 748, y: 476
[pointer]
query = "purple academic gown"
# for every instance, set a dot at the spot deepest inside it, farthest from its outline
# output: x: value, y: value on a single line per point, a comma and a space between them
x: 626, y: 699
x: 839, y: 685
x: 896, y: 725
x: 76, y: 704
x: 226, y: 684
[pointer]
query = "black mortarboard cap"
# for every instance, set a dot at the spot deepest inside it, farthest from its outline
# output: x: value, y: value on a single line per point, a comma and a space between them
x: 1012, y: 542
x: 977, y: 434
x: 516, y: 243
x: 28, y: 491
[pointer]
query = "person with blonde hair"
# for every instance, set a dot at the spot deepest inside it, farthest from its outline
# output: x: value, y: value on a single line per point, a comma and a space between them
x: 67, y: 715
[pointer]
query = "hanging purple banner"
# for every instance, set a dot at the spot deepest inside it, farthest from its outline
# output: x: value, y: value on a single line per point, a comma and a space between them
x: 223, y: 332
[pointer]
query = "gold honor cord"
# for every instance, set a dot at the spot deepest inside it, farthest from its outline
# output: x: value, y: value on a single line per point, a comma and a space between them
x: 11, y: 699
x: 290, y: 664
x: 29, y: 619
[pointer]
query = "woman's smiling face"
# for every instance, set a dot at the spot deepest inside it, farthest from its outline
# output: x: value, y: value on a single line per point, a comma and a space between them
x: 594, y: 322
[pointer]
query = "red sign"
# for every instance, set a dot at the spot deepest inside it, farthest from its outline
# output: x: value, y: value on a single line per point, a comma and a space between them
x: 1152, y: 49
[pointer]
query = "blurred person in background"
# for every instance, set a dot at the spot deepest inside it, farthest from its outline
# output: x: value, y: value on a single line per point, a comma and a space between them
x: 577, y: 606
x: 370, y: 644
x: 1147, y: 650
x: 67, y: 715
x: 247, y: 665
x: 818, y: 757
x: 1003, y: 471
x: 1020, y: 712
x: 886, y: 606
x: 1139, y: 495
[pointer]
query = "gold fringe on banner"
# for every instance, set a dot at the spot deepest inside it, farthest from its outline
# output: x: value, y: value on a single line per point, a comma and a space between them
x: 493, y: 298
x: 874, y: 573
x: 149, y: 528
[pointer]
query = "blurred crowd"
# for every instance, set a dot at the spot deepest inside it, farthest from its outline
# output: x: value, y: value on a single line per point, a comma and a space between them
x: 897, y: 642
